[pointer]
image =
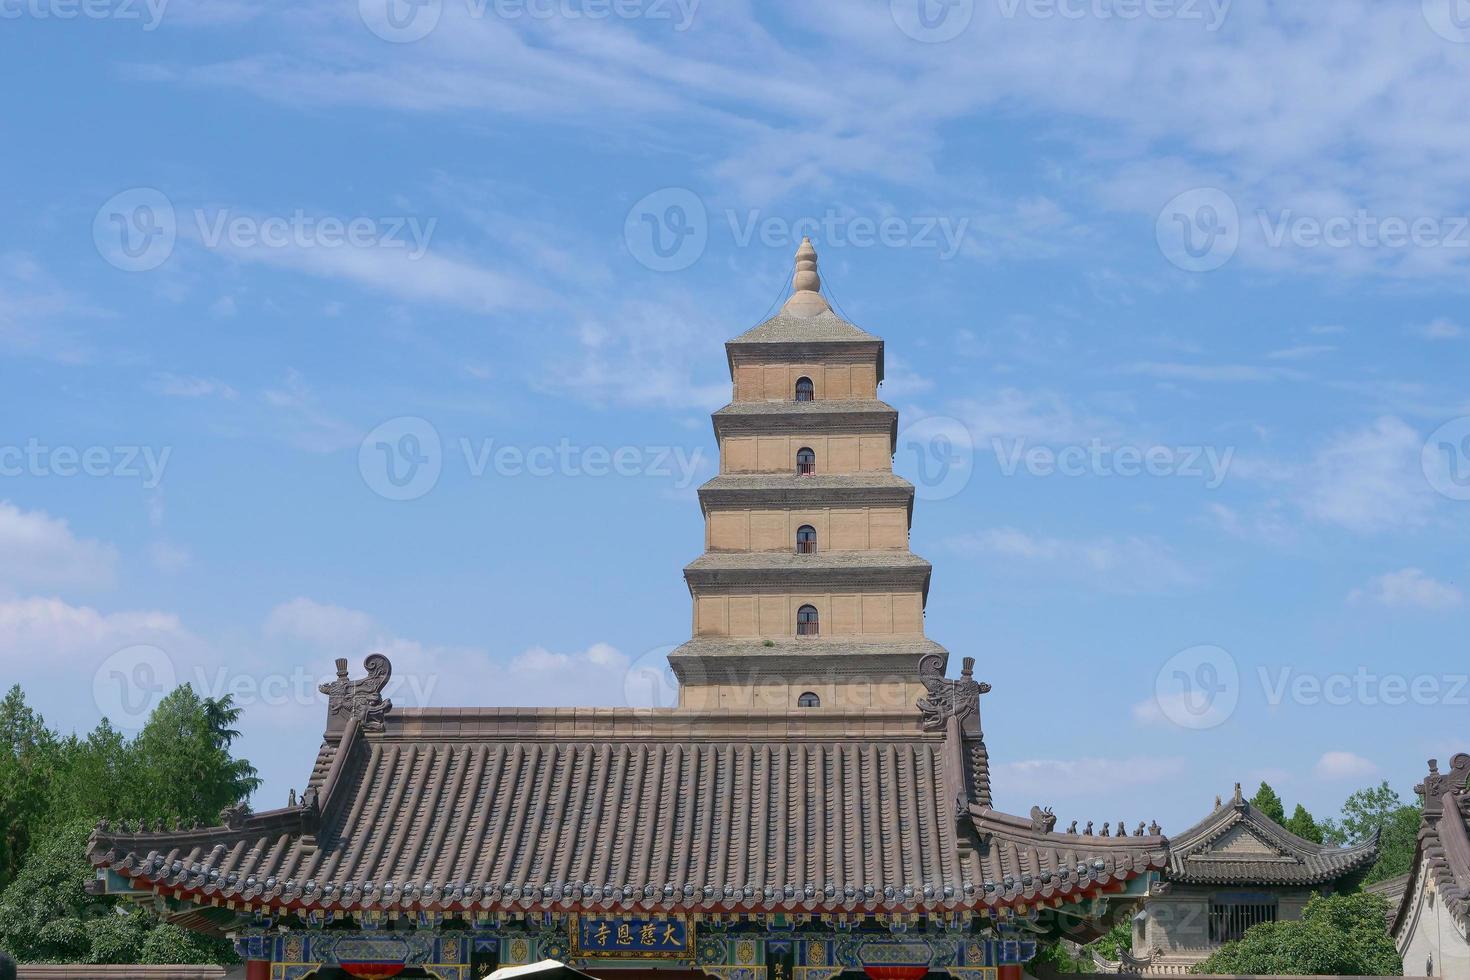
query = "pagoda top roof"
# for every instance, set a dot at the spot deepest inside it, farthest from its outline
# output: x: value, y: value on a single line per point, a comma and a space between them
x: 1238, y: 844
x: 822, y: 328
x: 806, y: 319
x: 565, y: 809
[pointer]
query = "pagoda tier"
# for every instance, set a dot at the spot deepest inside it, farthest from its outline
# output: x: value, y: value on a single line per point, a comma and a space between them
x: 806, y: 527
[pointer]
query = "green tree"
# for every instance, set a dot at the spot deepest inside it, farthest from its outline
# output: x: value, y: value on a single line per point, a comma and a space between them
x: 1345, y: 935
x: 1302, y: 824
x: 28, y: 758
x: 1269, y: 803
x: 47, y: 916
x: 1373, y: 808
x: 53, y: 789
x: 182, y: 758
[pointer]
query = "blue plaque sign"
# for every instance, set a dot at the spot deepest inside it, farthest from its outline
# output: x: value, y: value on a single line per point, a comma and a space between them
x: 633, y: 937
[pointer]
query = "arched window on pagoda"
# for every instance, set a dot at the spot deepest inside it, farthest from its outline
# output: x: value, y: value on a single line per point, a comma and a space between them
x: 808, y: 700
x: 806, y: 621
x: 805, y: 391
x: 806, y: 540
x: 806, y: 462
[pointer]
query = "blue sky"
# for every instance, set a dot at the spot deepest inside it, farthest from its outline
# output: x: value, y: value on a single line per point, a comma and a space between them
x: 249, y: 244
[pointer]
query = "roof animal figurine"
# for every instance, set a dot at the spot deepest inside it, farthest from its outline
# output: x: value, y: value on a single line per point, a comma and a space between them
x: 1043, y: 821
x: 948, y: 698
x: 361, y: 699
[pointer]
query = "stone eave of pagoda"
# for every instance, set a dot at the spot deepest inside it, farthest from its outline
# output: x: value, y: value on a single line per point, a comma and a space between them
x: 783, y: 570
x: 1442, y: 850
x: 821, y: 416
x: 716, y: 659
x: 816, y: 490
x: 1203, y: 854
x: 459, y: 812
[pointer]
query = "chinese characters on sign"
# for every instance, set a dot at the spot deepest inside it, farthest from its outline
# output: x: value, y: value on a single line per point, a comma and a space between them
x: 632, y: 937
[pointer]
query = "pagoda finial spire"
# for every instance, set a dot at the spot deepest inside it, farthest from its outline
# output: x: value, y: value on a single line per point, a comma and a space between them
x: 806, y: 296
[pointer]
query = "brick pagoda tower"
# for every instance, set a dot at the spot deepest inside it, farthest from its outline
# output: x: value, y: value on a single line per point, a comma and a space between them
x: 807, y: 594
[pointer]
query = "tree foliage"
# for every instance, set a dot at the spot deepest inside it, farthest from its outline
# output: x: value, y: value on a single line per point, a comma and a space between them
x: 53, y: 789
x: 1301, y: 823
x: 1345, y: 935
x: 1269, y: 803
x: 1373, y: 808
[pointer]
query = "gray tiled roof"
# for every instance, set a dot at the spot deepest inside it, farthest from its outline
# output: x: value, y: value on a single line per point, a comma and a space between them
x: 526, y: 809
x: 1286, y: 859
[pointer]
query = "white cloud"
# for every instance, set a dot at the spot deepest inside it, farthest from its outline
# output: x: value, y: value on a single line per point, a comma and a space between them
x: 1300, y: 352
x: 1046, y: 778
x: 1127, y: 565
x: 333, y: 628
x: 1439, y: 328
x: 1040, y: 416
x: 1344, y: 765
x: 50, y: 632
x: 184, y: 386
x: 168, y: 557
x: 1173, y: 371
x: 40, y: 551
x: 1368, y: 480
x: 437, y: 675
x: 1409, y: 588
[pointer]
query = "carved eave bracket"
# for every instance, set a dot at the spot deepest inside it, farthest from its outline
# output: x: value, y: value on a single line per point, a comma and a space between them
x: 360, y: 699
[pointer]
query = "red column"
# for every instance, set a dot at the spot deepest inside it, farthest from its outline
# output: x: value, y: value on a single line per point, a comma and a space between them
x: 257, y: 970
x: 1010, y: 971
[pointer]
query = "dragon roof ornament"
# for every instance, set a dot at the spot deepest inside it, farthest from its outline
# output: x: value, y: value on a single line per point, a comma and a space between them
x: 361, y: 699
x: 957, y: 698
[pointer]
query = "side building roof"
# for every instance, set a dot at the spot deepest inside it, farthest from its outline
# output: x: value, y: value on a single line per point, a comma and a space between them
x: 549, y: 809
x: 1442, y: 852
x: 1237, y: 844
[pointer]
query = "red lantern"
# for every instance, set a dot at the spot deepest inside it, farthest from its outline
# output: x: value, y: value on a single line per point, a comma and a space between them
x: 373, y: 971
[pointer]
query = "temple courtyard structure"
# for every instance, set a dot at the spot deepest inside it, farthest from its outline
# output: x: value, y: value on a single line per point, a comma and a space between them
x: 818, y: 803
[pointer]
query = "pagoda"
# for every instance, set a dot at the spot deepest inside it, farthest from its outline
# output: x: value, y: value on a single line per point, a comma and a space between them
x: 817, y: 804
